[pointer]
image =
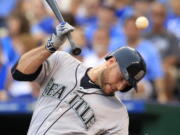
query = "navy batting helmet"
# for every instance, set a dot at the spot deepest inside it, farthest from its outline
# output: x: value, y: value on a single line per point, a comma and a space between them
x: 131, y: 64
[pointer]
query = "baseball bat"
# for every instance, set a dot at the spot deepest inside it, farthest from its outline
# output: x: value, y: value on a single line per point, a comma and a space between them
x: 54, y: 6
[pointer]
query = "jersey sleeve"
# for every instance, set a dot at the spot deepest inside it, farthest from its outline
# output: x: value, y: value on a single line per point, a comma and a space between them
x: 38, y: 75
x: 116, y: 120
x: 47, y: 67
x: 125, y: 126
x: 122, y: 126
x: 55, y: 61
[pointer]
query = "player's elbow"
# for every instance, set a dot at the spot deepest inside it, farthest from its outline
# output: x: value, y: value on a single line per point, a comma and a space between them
x: 19, y: 76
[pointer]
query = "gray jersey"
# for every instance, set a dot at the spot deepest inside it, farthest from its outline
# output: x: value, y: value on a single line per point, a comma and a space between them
x: 66, y: 108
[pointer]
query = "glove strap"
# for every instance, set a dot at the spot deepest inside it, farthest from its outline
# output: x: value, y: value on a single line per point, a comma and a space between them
x: 50, y: 45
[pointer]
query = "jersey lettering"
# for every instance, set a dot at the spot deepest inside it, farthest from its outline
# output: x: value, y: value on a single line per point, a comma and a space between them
x: 82, y: 109
x: 54, y: 90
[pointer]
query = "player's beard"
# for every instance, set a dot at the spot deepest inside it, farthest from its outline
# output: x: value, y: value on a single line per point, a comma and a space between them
x: 105, y: 86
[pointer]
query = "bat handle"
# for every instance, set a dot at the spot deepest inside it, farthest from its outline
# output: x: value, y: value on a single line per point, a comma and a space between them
x: 54, y: 6
x: 74, y: 49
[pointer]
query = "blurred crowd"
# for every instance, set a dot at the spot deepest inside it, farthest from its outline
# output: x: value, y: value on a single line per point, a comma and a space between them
x: 101, y: 26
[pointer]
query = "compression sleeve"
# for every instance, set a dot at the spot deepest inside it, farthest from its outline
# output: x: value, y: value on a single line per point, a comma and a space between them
x: 17, y: 75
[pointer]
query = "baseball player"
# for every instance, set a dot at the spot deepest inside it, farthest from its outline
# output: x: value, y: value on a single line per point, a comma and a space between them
x: 74, y: 99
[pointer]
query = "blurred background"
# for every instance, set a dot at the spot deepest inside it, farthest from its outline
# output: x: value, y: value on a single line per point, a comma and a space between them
x: 101, y: 26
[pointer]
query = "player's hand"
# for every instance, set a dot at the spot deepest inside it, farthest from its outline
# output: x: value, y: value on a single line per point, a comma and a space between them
x: 59, y: 37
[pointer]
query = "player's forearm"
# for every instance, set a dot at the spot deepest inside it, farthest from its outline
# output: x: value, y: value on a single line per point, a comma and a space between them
x: 31, y: 61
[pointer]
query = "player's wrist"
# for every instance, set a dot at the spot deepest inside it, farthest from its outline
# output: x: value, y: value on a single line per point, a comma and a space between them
x: 50, y: 45
x: 50, y: 50
x: 59, y: 37
x: 53, y: 43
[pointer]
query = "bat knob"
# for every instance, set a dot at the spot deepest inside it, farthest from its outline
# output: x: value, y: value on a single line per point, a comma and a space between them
x: 76, y: 51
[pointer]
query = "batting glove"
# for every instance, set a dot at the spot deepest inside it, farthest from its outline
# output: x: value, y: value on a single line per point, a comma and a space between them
x: 59, y: 37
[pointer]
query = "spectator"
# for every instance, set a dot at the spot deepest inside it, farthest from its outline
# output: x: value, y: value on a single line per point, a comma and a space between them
x: 74, y: 6
x: 15, y: 45
x: 100, y: 48
x: 108, y: 20
x: 25, y: 7
x: 123, y: 8
x: 167, y: 45
x: 3, y: 76
x: 80, y: 40
x: 17, y: 25
x: 87, y: 12
x: 43, y: 24
x: 6, y: 9
x: 174, y: 21
x: 141, y: 7
x: 152, y: 59
x: 8, y: 57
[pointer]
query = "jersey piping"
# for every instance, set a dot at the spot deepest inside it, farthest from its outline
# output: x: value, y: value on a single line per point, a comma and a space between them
x: 60, y: 101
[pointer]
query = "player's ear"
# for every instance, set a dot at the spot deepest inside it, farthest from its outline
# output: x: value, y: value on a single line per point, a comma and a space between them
x: 111, y: 61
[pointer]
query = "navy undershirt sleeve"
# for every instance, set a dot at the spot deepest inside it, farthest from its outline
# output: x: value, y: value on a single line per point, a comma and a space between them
x: 17, y: 75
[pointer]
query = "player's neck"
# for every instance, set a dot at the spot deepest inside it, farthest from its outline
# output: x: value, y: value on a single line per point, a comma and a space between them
x: 94, y: 74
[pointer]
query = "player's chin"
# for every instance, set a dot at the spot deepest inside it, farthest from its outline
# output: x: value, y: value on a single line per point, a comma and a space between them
x: 107, y: 90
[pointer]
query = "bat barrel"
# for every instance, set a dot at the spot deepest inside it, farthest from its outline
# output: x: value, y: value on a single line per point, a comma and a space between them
x: 54, y: 6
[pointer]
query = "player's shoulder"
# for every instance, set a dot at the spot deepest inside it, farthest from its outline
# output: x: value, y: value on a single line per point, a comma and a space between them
x: 66, y: 56
x: 116, y: 106
x: 62, y: 53
x: 114, y: 101
x: 111, y: 105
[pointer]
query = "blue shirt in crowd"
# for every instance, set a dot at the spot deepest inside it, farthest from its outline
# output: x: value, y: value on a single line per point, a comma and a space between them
x: 6, y: 7
x: 8, y: 50
x: 3, y: 76
x: 173, y: 25
x: 10, y: 57
x: 46, y: 26
x: 152, y: 59
x: 83, y: 20
x: 116, y: 35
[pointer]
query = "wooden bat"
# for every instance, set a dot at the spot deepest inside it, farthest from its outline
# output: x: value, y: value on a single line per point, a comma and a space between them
x: 54, y: 6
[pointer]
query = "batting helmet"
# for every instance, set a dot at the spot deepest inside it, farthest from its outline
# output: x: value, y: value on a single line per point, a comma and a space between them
x: 131, y: 64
